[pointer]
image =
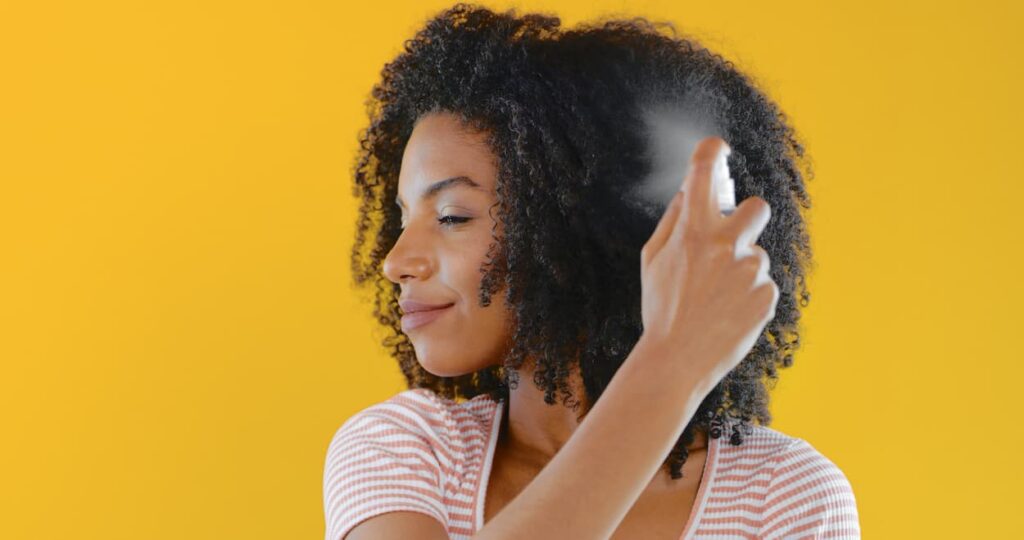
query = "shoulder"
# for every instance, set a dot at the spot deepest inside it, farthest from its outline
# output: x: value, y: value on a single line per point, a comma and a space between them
x: 417, y: 412
x: 420, y: 418
x: 404, y: 453
x: 807, y: 493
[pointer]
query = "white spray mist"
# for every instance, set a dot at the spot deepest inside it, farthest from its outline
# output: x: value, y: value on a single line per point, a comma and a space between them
x: 673, y: 132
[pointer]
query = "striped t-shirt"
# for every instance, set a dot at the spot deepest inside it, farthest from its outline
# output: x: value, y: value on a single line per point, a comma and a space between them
x: 420, y: 452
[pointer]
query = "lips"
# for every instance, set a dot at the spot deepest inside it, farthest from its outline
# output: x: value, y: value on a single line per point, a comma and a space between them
x: 416, y: 319
x: 413, y: 306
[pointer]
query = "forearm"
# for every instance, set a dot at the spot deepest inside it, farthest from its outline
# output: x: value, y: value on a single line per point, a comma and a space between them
x: 590, y: 485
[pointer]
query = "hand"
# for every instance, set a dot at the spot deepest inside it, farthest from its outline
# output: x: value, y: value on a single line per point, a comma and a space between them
x: 707, y: 294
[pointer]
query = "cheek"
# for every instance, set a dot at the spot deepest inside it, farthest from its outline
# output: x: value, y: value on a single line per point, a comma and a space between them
x: 466, y: 264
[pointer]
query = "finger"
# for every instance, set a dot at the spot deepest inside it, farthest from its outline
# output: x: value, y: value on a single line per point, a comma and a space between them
x: 665, y: 225
x: 748, y: 221
x: 764, y: 264
x: 768, y: 294
x: 701, y: 201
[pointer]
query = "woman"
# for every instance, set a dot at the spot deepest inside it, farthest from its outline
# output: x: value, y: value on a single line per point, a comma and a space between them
x: 494, y: 178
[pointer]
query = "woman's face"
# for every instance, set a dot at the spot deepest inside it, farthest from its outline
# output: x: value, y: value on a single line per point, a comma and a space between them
x: 446, y: 232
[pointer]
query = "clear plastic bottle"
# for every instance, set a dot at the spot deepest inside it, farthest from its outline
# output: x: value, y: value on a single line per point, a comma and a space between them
x: 724, y: 186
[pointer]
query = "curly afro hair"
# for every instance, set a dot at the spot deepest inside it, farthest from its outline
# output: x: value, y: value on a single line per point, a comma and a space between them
x: 562, y: 110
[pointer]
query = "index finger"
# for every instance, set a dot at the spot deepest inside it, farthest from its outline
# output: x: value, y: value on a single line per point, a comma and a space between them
x: 701, y: 200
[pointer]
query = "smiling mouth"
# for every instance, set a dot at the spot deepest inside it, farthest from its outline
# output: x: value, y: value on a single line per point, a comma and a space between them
x: 417, y: 319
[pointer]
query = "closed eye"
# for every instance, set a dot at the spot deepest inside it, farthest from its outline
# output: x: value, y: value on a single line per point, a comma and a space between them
x: 449, y: 221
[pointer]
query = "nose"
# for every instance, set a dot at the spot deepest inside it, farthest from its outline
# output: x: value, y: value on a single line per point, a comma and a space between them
x: 407, y: 259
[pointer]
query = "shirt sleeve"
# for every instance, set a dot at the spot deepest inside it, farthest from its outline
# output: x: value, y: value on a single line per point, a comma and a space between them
x: 380, y: 461
x: 809, y: 497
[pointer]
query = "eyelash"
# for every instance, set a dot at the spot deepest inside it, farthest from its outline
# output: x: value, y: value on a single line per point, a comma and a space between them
x: 454, y: 220
x: 449, y: 221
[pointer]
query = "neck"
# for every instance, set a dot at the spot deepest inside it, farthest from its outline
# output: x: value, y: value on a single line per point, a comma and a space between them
x: 535, y: 431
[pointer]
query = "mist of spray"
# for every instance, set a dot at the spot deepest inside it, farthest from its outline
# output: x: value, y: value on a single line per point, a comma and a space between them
x: 673, y: 131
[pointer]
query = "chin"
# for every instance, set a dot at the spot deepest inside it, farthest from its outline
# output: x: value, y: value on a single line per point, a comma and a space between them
x: 444, y: 366
x: 444, y: 370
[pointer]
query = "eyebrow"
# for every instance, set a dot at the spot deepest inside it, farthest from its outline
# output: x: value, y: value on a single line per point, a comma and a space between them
x: 437, y: 187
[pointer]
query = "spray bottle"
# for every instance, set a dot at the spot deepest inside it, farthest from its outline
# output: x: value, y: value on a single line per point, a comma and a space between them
x: 673, y: 132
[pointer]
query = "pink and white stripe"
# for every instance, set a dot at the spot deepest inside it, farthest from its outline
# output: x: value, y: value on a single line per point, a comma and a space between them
x: 422, y: 453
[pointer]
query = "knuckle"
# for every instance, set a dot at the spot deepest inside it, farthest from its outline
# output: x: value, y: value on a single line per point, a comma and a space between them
x: 689, y: 231
x: 763, y: 256
x: 751, y: 263
x: 751, y: 267
x: 719, y: 251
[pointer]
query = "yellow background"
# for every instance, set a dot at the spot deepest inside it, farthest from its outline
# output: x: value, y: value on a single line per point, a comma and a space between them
x: 180, y: 340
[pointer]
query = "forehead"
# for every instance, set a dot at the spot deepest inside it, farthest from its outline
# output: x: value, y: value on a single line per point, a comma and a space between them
x: 439, y: 148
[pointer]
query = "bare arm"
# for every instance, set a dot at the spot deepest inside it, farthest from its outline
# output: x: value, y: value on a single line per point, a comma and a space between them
x: 587, y: 489
x: 399, y: 525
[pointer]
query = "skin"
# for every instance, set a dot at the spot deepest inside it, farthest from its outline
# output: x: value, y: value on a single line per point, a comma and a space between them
x: 439, y: 263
